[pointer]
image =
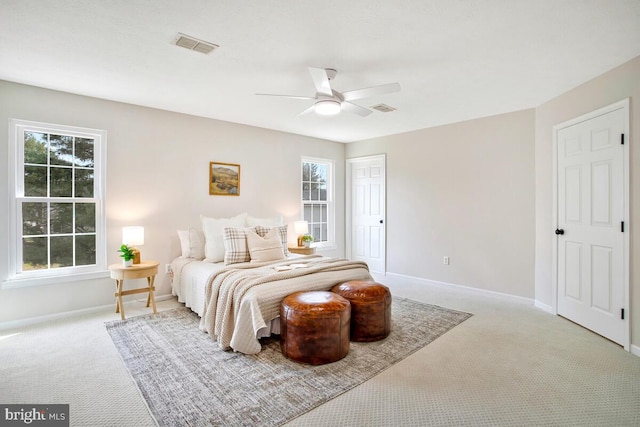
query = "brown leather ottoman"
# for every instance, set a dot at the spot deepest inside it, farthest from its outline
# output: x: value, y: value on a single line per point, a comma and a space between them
x: 314, y: 327
x: 370, y: 309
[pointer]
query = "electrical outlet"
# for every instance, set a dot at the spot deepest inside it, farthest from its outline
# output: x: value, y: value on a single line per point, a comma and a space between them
x: 445, y: 260
x: 167, y: 268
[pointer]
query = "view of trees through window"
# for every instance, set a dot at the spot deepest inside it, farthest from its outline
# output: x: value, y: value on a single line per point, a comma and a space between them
x: 315, y: 199
x: 58, y: 209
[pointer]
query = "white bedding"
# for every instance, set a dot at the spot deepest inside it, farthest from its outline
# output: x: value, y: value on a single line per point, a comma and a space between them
x: 190, y: 279
x: 189, y: 283
x: 237, y: 322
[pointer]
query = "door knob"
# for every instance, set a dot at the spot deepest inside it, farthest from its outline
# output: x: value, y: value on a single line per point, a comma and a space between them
x: 381, y: 221
x: 559, y: 231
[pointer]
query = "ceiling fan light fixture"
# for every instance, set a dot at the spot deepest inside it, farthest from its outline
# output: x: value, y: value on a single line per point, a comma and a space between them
x: 327, y: 107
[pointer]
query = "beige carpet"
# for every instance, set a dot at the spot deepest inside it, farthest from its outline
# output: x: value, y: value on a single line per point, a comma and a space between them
x: 509, y: 365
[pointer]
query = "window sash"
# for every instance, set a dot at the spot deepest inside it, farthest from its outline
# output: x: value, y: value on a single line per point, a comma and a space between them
x: 48, y: 233
x: 316, y: 214
x: 317, y: 201
x: 76, y: 164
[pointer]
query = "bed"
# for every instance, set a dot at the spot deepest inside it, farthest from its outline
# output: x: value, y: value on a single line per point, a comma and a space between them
x: 238, y: 298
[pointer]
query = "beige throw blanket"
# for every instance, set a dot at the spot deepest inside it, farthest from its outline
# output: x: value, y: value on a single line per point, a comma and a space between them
x: 240, y: 299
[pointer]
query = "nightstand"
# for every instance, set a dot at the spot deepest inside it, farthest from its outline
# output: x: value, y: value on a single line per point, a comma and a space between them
x: 302, y: 250
x: 146, y: 269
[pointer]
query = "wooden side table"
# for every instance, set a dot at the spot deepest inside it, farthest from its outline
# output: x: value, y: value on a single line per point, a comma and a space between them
x: 302, y: 250
x: 147, y: 269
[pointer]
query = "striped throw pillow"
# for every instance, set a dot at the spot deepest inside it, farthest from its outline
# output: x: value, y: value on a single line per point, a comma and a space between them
x: 282, y: 233
x: 267, y: 248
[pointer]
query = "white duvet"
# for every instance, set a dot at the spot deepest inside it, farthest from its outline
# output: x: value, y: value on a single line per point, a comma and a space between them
x: 238, y: 303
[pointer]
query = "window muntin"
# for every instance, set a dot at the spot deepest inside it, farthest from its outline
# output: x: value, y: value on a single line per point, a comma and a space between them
x: 57, y: 204
x: 317, y: 199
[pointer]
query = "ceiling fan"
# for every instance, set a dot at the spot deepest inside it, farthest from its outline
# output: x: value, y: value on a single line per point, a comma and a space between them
x: 329, y: 101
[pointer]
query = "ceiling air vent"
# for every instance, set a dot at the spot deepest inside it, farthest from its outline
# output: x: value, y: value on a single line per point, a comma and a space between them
x: 192, y: 43
x: 384, y: 108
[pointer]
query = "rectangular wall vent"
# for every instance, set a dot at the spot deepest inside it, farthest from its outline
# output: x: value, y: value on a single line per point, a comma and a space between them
x: 384, y: 108
x: 192, y: 43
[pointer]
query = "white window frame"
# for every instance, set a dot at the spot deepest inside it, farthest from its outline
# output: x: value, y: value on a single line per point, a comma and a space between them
x: 331, y: 216
x: 18, y: 278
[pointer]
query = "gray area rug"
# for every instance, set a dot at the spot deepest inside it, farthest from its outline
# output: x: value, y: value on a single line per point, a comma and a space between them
x: 188, y: 381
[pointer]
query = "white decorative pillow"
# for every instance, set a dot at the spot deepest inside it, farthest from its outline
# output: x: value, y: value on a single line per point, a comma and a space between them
x: 196, y: 244
x: 212, y: 228
x: 267, y: 248
x: 235, y: 245
x: 185, y: 250
x: 282, y: 232
x: 266, y: 222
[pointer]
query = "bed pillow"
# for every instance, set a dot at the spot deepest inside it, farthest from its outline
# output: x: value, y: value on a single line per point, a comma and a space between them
x: 266, y: 222
x: 282, y: 232
x: 196, y: 244
x: 191, y: 243
x: 267, y: 248
x: 235, y: 245
x: 212, y: 229
x: 185, y: 251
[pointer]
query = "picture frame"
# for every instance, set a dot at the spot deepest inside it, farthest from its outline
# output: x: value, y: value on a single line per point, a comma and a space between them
x: 224, y: 179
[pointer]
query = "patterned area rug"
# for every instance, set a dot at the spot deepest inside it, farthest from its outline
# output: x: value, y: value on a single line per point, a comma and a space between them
x: 187, y: 380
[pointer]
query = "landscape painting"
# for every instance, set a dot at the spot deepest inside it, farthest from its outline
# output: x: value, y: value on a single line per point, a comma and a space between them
x: 224, y: 179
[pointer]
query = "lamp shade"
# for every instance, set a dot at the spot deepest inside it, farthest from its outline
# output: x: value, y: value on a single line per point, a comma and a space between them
x: 301, y: 227
x: 133, y: 235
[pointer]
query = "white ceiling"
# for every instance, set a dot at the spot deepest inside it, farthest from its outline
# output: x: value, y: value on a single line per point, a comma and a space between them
x: 454, y: 59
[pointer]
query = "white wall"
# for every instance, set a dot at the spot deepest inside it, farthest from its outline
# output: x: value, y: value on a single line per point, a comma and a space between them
x: 157, y: 176
x: 465, y: 191
x: 615, y: 85
x: 478, y: 191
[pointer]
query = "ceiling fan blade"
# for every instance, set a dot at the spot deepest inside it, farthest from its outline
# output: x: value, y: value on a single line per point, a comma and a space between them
x: 355, y: 109
x: 321, y: 81
x: 370, y: 91
x: 308, y: 110
x: 286, y: 96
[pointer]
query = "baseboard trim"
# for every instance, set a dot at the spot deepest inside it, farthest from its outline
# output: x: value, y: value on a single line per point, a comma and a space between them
x: 29, y: 321
x: 399, y: 279
x: 395, y: 278
x: 543, y: 306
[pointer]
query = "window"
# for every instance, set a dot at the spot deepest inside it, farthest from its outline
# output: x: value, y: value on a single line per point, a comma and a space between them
x: 317, y: 200
x: 57, y: 191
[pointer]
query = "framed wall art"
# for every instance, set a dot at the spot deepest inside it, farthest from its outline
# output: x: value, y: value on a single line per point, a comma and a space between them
x: 224, y: 179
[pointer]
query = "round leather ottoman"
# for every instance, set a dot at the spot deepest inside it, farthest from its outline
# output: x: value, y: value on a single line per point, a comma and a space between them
x: 314, y: 327
x: 370, y: 309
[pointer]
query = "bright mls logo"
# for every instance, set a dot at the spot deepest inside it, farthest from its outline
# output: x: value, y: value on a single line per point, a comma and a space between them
x: 34, y: 415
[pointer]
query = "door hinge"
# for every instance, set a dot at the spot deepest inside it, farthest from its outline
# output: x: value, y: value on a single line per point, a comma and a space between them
x: 622, y: 139
x: 622, y: 313
x: 622, y: 226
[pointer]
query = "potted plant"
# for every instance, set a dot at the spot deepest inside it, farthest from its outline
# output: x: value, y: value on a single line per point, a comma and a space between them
x: 306, y: 240
x: 127, y: 255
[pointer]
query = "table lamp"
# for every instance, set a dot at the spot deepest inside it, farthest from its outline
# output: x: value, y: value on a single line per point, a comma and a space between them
x: 301, y: 228
x: 133, y: 236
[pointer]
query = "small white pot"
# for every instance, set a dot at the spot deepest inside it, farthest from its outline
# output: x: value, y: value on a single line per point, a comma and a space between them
x: 307, y: 244
x: 127, y: 263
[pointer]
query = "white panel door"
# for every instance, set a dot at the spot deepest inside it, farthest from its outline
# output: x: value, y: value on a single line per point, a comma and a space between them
x: 591, y: 206
x: 367, y: 212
